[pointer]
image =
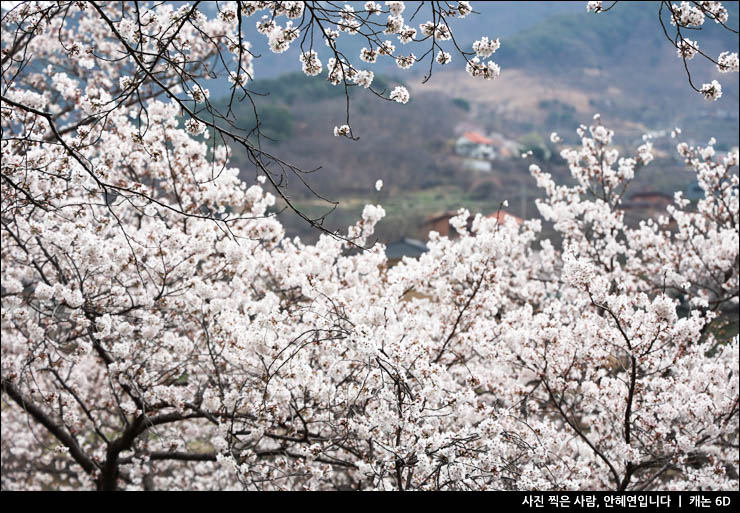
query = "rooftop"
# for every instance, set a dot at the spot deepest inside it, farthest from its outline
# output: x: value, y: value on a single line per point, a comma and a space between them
x: 477, y: 138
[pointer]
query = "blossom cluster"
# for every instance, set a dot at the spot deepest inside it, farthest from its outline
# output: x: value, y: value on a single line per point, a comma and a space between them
x: 227, y: 356
x: 160, y: 331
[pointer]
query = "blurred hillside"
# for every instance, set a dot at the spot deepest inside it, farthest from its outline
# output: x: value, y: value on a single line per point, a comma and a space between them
x: 560, y: 65
x: 498, y: 19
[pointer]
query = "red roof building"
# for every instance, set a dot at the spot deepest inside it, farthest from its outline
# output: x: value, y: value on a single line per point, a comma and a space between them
x: 477, y: 138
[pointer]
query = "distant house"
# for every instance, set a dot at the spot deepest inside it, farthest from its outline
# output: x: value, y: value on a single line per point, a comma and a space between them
x: 645, y: 205
x: 440, y: 222
x: 475, y: 145
x: 505, y: 148
x: 512, y: 149
x: 405, y: 247
x: 649, y: 200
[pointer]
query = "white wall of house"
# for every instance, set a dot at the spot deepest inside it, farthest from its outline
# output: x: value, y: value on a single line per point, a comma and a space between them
x: 468, y: 148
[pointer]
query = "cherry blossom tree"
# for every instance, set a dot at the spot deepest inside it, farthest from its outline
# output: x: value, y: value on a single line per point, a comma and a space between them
x: 160, y: 331
x: 96, y: 59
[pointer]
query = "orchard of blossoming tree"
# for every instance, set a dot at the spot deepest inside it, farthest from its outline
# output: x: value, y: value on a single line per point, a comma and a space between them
x: 160, y: 331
